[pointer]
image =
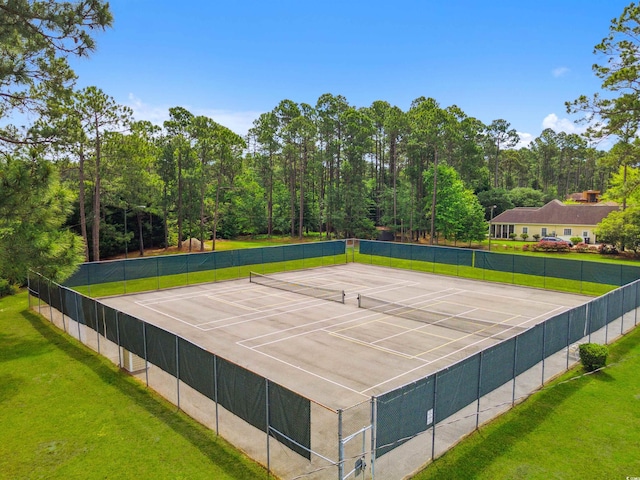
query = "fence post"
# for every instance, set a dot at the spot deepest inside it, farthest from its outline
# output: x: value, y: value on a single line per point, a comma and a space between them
x: 78, y: 317
x: 435, y: 413
x: 544, y: 340
x: 177, y: 374
x: 118, y: 338
x: 49, y: 297
x: 515, y: 370
x: 64, y: 324
x: 340, y: 447
x: 215, y: 389
x: 266, y: 383
x: 146, y: 361
x: 97, y: 325
x: 374, y: 421
x: 479, y: 390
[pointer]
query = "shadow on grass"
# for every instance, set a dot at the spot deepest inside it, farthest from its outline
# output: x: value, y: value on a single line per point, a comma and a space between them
x: 214, y: 448
x: 488, y: 444
x: 13, y: 347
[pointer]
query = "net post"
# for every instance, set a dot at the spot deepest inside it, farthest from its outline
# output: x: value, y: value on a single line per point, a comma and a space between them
x: 359, y: 303
x: 343, y: 296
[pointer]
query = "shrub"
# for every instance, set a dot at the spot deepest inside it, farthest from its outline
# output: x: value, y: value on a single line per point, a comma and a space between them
x: 6, y: 288
x: 524, y: 236
x: 576, y: 240
x: 593, y: 356
x: 586, y: 248
x: 513, y: 236
x: 605, y: 249
x: 545, y: 246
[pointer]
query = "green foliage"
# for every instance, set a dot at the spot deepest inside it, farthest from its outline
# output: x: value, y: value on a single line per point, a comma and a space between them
x: 621, y: 229
x: 33, y: 209
x: 459, y: 215
x: 526, y: 197
x: 593, y: 356
x: 576, y: 240
x: 7, y: 288
x: 498, y: 197
x: 545, y: 246
x: 524, y: 236
x: 36, y: 39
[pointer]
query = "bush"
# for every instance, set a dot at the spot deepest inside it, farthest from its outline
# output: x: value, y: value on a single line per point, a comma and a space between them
x: 586, y: 248
x: 524, y: 236
x: 512, y: 236
x: 608, y: 249
x: 536, y: 237
x: 6, y: 288
x: 576, y: 240
x: 545, y: 246
x: 593, y: 356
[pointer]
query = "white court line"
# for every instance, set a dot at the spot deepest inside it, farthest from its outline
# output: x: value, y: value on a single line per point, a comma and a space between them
x: 308, y: 372
x: 190, y: 295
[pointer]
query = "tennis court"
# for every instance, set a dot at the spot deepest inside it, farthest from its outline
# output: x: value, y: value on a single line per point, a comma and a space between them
x: 407, y: 326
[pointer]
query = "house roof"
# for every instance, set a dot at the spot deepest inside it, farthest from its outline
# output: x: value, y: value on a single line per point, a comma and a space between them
x: 557, y: 213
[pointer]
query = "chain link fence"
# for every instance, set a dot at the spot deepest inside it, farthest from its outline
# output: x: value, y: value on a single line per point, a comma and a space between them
x: 390, y: 436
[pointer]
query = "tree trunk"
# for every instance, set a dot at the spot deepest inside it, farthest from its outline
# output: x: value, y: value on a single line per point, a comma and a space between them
x: 96, y: 200
x: 81, y: 200
x: 141, y: 241
x: 303, y: 163
x: 433, y: 198
x: 179, y: 200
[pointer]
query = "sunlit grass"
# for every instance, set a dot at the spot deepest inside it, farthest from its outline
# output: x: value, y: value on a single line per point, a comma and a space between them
x: 69, y: 413
x: 587, y: 427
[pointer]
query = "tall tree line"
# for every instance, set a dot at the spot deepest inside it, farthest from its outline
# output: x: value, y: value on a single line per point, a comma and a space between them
x: 325, y: 166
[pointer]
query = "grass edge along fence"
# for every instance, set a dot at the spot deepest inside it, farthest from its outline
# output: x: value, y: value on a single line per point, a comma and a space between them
x: 118, y: 277
x: 404, y: 428
x: 589, y: 278
x: 264, y: 419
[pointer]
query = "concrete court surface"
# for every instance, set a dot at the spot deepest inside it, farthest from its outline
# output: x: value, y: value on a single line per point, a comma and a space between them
x: 338, y: 354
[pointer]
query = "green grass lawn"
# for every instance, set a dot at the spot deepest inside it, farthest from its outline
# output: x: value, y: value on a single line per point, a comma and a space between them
x: 586, y: 427
x: 69, y: 413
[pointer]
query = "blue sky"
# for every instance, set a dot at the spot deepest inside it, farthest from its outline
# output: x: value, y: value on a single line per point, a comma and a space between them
x: 232, y: 60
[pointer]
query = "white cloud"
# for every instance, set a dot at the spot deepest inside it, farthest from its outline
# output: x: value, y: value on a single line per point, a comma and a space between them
x: 525, y: 140
x: 239, y: 122
x: 560, y: 71
x: 561, y: 124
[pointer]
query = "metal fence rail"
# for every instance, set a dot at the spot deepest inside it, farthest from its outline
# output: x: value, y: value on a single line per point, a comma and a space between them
x: 390, y: 436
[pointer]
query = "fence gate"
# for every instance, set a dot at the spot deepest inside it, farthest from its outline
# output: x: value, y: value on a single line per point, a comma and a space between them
x: 355, y: 432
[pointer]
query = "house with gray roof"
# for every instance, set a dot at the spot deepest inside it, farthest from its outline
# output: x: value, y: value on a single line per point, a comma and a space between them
x: 555, y: 219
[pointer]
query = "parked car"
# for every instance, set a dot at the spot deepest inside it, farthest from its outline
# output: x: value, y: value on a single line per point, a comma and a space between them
x: 556, y: 239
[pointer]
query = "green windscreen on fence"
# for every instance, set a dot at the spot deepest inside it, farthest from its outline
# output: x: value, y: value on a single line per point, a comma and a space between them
x: 456, y: 387
x: 290, y: 418
x: 403, y: 413
x: 196, y: 368
x: 161, y: 348
x: 424, y: 253
x: 242, y: 392
x: 497, y: 365
x: 184, y: 264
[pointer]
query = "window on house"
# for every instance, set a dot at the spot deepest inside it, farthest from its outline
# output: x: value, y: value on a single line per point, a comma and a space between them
x: 543, y: 232
x: 525, y: 229
x: 567, y: 231
x: 585, y: 233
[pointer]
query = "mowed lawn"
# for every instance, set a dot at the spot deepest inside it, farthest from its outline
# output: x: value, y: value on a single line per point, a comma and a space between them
x: 66, y: 413
x: 579, y: 427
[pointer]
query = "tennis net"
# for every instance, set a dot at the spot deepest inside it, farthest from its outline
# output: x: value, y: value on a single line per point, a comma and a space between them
x: 473, y: 326
x: 309, y: 290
